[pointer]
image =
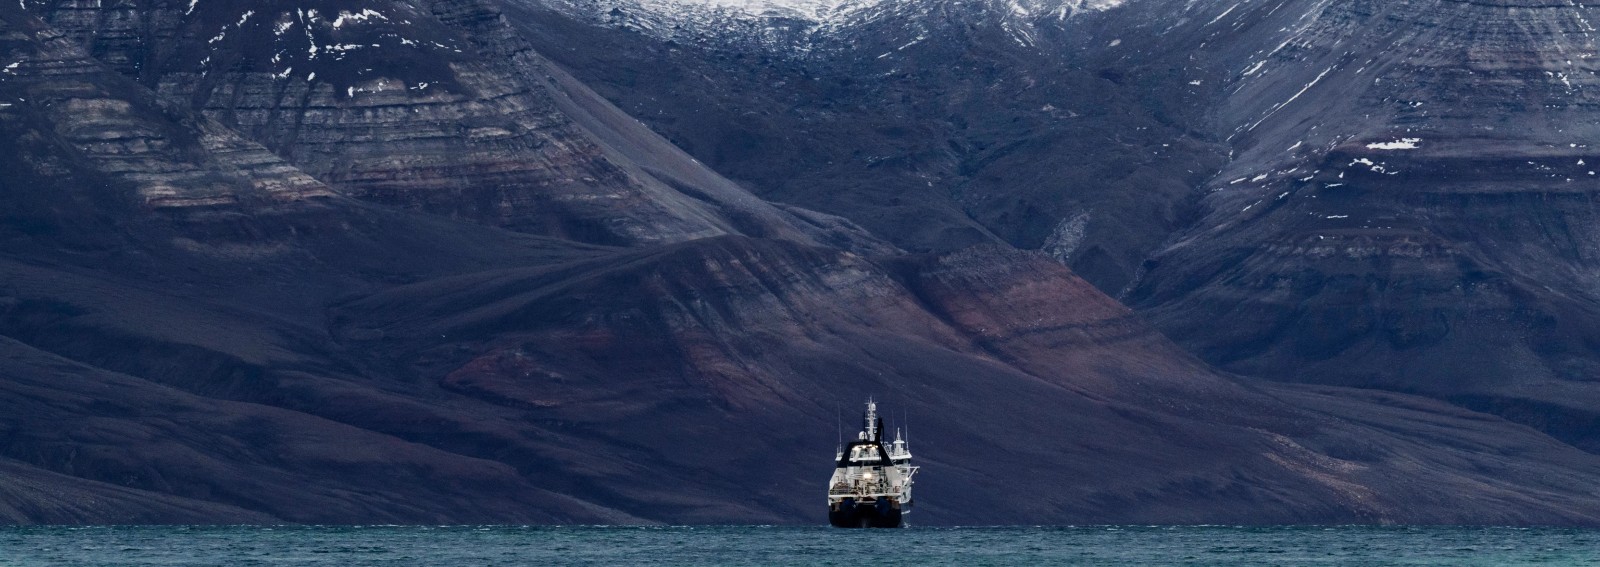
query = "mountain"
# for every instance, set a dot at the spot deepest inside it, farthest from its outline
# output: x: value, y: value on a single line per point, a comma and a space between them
x: 936, y: 125
x: 1414, y: 208
x: 1390, y: 195
x: 432, y: 107
x: 233, y: 296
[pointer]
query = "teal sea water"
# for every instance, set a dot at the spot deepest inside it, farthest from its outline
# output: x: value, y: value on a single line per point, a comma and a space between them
x: 511, y: 545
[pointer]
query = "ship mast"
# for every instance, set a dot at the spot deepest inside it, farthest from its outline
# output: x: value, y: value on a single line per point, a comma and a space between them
x: 872, y: 420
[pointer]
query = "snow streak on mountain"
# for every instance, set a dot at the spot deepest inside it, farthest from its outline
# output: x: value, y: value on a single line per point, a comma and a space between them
x: 799, y: 26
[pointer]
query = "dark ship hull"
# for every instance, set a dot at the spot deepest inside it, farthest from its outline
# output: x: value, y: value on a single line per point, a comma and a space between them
x: 869, y: 514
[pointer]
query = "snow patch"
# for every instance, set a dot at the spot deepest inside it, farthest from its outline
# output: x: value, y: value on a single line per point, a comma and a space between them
x: 1296, y: 96
x: 362, y: 16
x: 1376, y: 167
x: 1092, y: 5
x: 1400, y: 144
x: 1224, y: 14
x: 700, y: 18
x: 813, y: 10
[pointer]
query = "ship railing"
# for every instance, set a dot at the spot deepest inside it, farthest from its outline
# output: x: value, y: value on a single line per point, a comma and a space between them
x: 873, y: 490
x: 861, y: 495
x: 850, y: 492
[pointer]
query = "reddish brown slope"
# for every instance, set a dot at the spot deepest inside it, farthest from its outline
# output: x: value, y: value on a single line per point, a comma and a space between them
x: 722, y: 363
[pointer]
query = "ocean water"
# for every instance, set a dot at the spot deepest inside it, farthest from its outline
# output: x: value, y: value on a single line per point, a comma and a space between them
x: 758, y: 545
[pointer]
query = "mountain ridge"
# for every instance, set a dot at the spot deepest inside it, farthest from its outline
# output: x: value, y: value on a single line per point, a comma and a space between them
x: 342, y: 358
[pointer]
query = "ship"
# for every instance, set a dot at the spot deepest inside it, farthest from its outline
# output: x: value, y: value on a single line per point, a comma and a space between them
x: 871, y: 484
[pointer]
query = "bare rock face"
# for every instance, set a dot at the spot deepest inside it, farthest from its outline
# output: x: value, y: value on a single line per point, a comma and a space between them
x: 1410, y: 205
x: 936, y: 124
x: 432, y: 106
x: 54, y: 93
x: 1363, y: 193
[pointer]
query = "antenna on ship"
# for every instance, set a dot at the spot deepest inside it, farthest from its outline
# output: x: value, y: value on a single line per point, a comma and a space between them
x: 838, y: 425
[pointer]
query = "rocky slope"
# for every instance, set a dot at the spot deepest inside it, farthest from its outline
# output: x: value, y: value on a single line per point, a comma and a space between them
x: 199, y: 325
x: 748, y: 346
x: 432, y: 106
x: 1378, y: 194
x: 930, y: 123
x: 1410, y: 206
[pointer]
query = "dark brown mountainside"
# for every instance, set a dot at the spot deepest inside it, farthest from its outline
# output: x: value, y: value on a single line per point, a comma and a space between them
x: 1372, y: 193
x: 203, y: 322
